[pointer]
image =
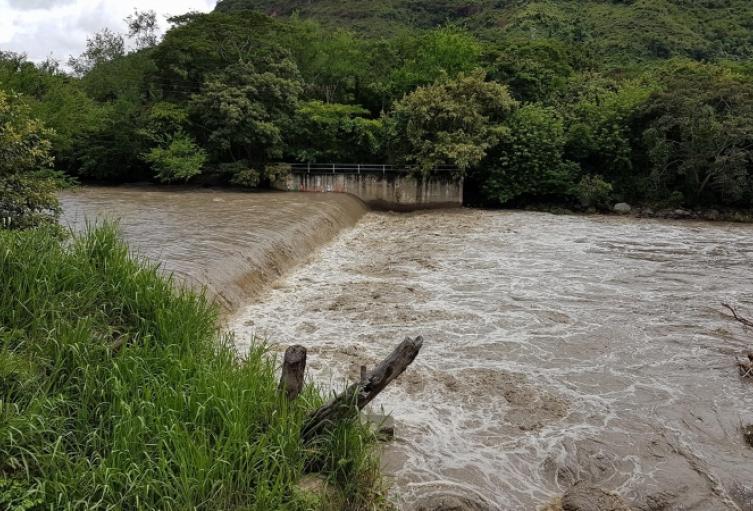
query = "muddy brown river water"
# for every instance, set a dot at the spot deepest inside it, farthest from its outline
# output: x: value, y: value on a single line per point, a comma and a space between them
x: 557, y: 348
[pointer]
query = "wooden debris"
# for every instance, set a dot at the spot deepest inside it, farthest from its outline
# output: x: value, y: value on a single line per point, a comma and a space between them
x: 347, y: 404
x: 293, y: 369
x: 744, y: 321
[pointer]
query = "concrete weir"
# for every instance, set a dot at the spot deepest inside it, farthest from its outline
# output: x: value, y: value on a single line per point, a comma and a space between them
x: 379, y: 186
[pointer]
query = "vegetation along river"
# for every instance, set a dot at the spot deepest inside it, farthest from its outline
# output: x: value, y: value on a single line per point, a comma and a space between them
x: 557, y: 348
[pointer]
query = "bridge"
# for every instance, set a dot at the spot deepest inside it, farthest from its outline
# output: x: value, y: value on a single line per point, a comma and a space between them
x: 380, y: 186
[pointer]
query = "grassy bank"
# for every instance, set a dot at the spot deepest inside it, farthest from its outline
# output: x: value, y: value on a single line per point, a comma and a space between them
x: 171, y: 420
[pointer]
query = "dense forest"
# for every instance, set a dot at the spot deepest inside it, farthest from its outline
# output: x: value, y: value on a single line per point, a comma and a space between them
x: 582, y: 103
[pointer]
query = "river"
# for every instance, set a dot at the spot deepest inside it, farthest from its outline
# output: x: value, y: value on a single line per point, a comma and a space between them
x: 557, y: 348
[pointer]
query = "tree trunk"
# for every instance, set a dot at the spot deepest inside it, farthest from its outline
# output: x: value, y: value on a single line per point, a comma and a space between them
x: 293, y: 367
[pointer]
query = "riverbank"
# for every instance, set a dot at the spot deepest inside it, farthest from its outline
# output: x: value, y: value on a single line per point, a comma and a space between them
x: 117, y: 390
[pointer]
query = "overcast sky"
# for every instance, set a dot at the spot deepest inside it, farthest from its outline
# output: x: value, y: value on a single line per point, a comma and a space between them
x: 41, y: 28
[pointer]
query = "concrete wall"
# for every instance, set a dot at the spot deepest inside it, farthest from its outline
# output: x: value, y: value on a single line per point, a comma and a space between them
x: 390, y: 191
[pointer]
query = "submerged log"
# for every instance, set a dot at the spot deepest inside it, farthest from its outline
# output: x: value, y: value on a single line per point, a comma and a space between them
x: 293, y: 369
x: 347, y: 404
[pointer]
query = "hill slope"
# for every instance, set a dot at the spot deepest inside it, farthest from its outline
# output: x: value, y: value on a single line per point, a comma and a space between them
x: 619, y: 30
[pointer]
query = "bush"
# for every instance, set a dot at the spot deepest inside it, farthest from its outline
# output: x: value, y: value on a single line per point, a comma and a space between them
x: 593, y: 191
x: 171, y: 420
x: 180, y: 160
x: 27, y: 196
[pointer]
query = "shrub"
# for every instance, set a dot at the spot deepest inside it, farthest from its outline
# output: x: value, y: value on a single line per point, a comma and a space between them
x: 27, y: 196
x: 593, y: 191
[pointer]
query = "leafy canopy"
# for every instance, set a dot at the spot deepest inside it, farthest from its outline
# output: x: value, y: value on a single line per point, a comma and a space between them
x: 453, y: 122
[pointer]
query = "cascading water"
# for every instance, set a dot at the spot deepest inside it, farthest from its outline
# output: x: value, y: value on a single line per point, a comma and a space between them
x: 233, y: 243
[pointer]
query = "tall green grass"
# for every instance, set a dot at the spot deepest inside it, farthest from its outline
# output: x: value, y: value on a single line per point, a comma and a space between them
x: 172, y: 421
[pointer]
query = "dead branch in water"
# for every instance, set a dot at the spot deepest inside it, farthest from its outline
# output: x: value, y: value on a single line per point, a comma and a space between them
x: 745, y: 366
x: 347, y: 404
x: 744, y: 321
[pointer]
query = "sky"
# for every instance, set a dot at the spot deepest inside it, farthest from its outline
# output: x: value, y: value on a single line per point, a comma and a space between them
x: 58, y: 28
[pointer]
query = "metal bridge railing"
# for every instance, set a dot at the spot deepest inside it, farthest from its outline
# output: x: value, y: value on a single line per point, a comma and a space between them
x: 360, y: 168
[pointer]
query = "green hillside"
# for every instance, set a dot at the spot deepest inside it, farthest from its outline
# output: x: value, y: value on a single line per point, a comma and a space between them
x: 616, y: 30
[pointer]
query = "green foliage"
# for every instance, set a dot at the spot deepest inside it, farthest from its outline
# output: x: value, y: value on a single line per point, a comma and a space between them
x: 241, y: 173
x: 202, y: 45
x: 615, y: 32
x: 600, y: 121
x: 180, y: 160
x: 425, y: 58
x: 699, y: 135
x: 334, y: 132
x: 102, y: 47
x: 54, y: 98
x: 27, y: 198
x: 530, y: 159
x: 450, y: 123
x: 593, y: 191
x: 16, y: 497
x: 245, y: 110
x: 332, y: 63
x: 171, y: 420
x: 534, y: 69
x: 175, y: 155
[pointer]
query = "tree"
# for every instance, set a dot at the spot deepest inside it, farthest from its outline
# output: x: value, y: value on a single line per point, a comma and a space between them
x: 530, y: 159
x: 699, y: 135
x: 424, y: 59
x: 203, y: 45
x: 534, y: 70
x: 454, y: 122
x: 245, y: 110
x: 333, y: 63
x: 143, y: 28
x: 54, y: 98
x: 175, y: 156
x: 333, y: 132
x: 104, y: 46
x: 602, y: 128
x: 27, y: 195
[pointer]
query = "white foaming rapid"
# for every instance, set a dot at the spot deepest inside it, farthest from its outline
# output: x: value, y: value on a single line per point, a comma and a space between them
x: 557, y: 349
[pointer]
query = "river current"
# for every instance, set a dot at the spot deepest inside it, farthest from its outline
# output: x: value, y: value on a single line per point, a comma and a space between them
x: 556, y: 348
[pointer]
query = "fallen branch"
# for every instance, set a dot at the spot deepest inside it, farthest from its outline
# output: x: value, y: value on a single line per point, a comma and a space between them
x: 347, y: 404
x: 744, y: 321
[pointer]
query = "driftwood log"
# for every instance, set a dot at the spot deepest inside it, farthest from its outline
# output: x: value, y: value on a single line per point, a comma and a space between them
x: 293, y: 369
x: 347, y: 404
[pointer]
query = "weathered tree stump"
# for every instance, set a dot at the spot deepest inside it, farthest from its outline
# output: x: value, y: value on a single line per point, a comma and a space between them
x: 347, y: 404
x: 293, y: 369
